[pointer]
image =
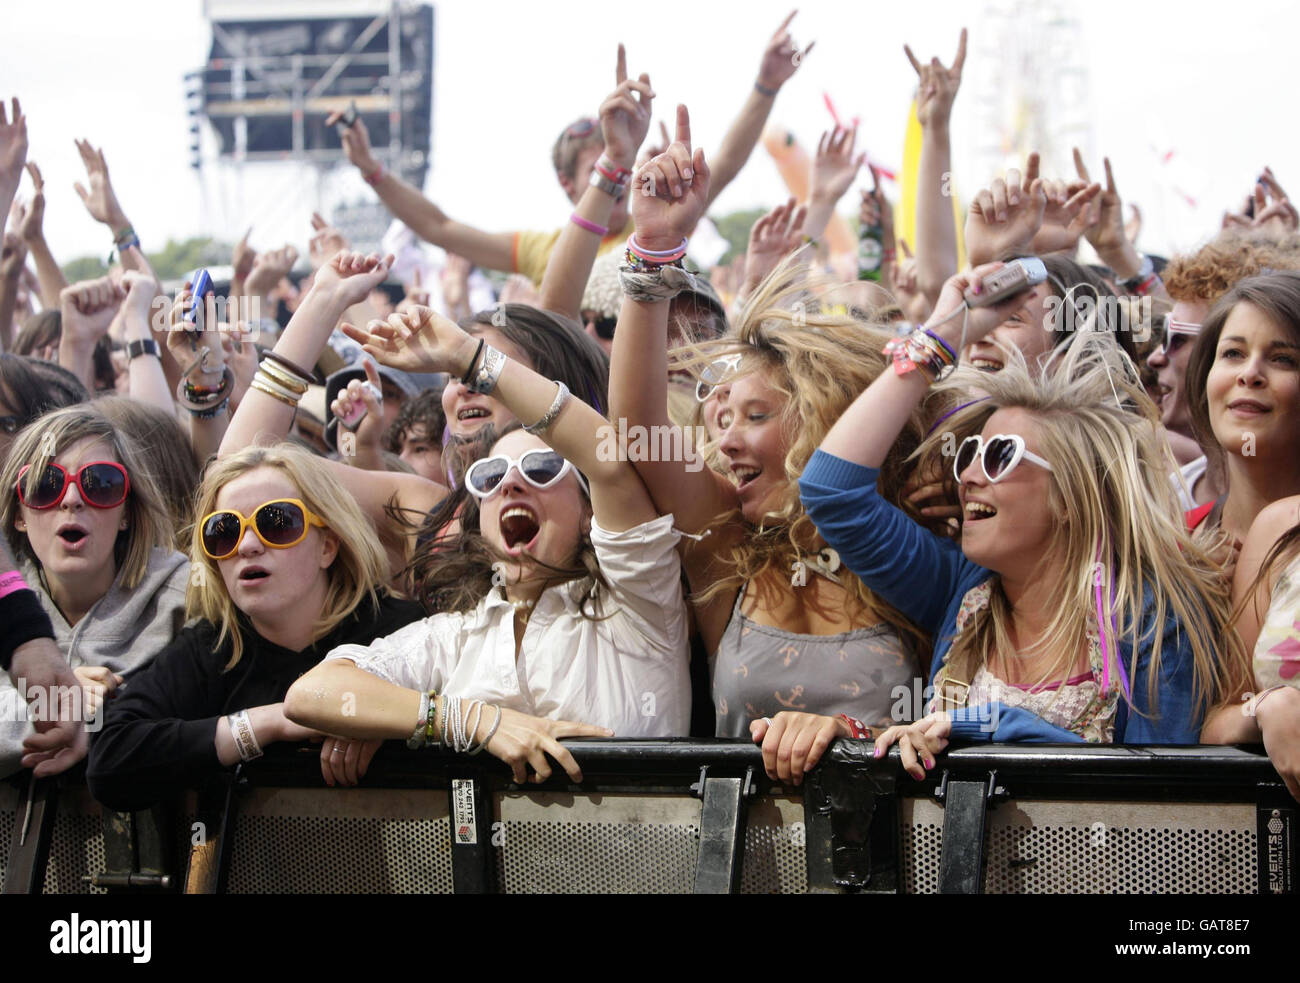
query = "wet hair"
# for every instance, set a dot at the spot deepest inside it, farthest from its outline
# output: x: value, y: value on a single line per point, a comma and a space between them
x: 355, y: 576
x: 167, y: 452
x: 148, y: 524
x: 1277, y: 295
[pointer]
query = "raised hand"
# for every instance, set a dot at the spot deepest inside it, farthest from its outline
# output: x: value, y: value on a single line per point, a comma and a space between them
x: 670, y: 191
x: 835, y: 165
x: 326, y: 242
x: 874, y: 210
x: 1106, y: 229
x: 268, y: 269
x: 782, y: 57
x: 100, y: 200
x: 418, y: 340
x: 87, y: 310
x: 355, y: 394
x: 348, y: 277
x: 188, y: 342
x: 1273, y: 210
x: 1005, y: 217
x: 773, y: 236
x: 1065, y: 217
x: 29, y: 217
x: 625, y: 114
x: 141, y: 289
x: 13, y: 256
x: 356, y: 143
x: 937, y: 86
x: 13, y: 149
x: 657, y: 147
x: 241, y: 261
x: 417, y: 294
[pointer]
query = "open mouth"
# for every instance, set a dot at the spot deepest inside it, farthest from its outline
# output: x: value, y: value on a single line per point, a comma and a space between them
x: 978, y: 511
x: 519, y: 527
x: 253, y: 573
x: 472, y: 413
x: 987, y: 364
x: 745, y: 476
x: 72, y: 536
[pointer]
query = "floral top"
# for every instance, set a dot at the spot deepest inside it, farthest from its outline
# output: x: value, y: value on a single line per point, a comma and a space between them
x: 1277, y: 652
x: 1079, y: 705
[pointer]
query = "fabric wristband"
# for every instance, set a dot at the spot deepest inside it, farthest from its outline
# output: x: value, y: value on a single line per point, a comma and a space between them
x: 24, y: 620
x: 859, y: 730
x: 12, y: 581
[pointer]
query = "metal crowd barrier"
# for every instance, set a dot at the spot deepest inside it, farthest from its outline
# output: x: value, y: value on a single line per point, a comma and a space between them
x: 682, y: 816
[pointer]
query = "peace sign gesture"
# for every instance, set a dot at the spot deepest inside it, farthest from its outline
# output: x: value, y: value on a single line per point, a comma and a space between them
x: 670, y: 192
x: 938, y: 85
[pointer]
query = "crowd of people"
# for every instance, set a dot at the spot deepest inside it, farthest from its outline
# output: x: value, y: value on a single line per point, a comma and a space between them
x: 635, y: 498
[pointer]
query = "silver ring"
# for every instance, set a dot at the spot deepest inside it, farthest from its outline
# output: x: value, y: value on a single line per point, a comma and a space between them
x: 768, y: 721
x: 337, y: 749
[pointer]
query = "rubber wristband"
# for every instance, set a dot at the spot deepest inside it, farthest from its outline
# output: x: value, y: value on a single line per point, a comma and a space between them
x: 12, y: 581
x: 770, y: 93
x: 640, y: 250
x: 587, y: 224
x: 469, y: 372
x: 374, y: 175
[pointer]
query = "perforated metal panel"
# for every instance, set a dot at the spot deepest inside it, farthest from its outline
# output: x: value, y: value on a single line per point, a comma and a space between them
x: 775, y: 852
x: 556, y: 843
x: 77, y: 847
x: 371, y: 841
x: 1048, y: 847
x: 8, y: 810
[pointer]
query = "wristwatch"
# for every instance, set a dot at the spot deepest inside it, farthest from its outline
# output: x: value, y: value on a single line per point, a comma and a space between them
x: 146, y: 347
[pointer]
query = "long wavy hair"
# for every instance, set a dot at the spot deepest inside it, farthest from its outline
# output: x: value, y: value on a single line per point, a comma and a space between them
x: 355, y: 575
x: 148, y: 525
x: 820, y: 360
x: 1119, y: 524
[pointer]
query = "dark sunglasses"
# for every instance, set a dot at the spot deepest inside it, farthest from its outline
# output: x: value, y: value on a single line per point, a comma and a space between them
x: 581, y: 128
x: 103, y: 485
x: 998, y: 457
x: 278, y: 524
x: 605, y: 326
x: 11, y: 424
x: 540, y: 467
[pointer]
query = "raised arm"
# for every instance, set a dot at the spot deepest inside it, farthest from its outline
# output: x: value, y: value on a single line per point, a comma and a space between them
x: 936, y: 234
x: 425, y: 219
x: 30, y: 227
x: 669, y: 193
x: 13, y: 153
x: 148, y: 383
x: 1107, y: 235
x: 13, y: 260
x: 342, y: 282
x: 834, y: 168
x: 624, y: 122
x: 781, y: 59
x: 87, y: 309
x: 421, y: 340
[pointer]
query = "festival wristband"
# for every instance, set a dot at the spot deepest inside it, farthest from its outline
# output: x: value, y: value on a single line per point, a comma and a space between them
x: 12, y: 581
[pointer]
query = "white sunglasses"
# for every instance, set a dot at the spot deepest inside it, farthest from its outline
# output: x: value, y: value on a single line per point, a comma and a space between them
x: 998, y: 457
x: 714, y: 374
x: 541, y: 467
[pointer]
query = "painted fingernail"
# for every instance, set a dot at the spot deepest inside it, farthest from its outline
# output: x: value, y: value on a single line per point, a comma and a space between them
x: 977, y: 289
x: 929, y: 762
x: 688, y: 173
x: 877, y: 752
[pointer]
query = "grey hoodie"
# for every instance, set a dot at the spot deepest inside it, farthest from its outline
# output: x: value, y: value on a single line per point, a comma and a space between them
x: 123, y: 631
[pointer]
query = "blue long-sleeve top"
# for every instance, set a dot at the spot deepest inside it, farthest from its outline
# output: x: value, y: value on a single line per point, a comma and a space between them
x: 926, y: 576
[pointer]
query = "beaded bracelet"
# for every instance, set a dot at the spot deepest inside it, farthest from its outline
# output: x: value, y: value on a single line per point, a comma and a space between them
x: 213, y: 412
x: 924, y: 351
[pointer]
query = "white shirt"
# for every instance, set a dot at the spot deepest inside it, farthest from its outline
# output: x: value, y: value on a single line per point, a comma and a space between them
x: 1184, y: 481
x: 627, y: 671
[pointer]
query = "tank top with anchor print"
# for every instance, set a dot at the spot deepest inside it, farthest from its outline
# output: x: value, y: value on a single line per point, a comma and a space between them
x: 759, y: 670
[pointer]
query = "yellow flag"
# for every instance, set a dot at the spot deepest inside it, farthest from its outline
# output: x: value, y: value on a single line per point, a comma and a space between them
x: 905, y: 221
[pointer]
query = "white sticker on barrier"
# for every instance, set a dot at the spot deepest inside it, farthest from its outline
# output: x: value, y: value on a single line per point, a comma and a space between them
x: 462, y: 810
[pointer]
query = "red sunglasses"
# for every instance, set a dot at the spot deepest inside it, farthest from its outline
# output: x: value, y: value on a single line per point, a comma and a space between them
x: 103, y: 485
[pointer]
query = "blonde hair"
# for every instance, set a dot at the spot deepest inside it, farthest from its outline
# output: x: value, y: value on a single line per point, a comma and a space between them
x: 1119, y: 523
x: 820, y: 362
x: 356, y: 573
x: 148, y: 524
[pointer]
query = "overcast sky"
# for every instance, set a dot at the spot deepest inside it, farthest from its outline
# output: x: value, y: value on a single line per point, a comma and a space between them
x: 1186, y: 77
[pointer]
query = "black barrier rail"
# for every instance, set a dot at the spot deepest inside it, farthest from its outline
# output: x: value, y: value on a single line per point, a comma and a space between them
x: 1200, y: 819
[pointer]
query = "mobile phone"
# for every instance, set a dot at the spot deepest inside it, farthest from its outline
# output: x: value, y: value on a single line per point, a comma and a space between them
x: 347, y: 120
x: 200, y: 287
x: 1015, y: 277
x: 358, y: 413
